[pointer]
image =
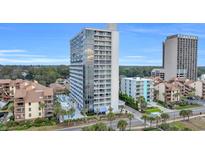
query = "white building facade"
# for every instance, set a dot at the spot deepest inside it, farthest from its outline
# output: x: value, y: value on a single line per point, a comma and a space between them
x: 94, y: 69
x: 136, y: 87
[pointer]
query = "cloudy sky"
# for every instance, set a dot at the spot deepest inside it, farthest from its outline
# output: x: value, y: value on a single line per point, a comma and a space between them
x: 48, y: 44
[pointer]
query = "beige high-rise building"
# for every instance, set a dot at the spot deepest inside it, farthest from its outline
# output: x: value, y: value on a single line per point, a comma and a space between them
x: 180, y: 56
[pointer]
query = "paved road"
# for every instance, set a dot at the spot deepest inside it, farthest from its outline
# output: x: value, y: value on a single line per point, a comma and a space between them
x: 137, y: 121
x: 175, y: 114
x: 137, y: 114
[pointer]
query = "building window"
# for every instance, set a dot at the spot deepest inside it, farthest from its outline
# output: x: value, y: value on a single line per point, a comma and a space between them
x: 29, y: 115
x: 39, y: 114
x: 29, y: 103
x: 29, y: 109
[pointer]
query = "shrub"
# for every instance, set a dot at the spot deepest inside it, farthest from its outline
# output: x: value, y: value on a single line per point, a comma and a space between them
x: 97, y: 127
x: 150, y: 129
x: 164, y: 126
x: 186, y: 129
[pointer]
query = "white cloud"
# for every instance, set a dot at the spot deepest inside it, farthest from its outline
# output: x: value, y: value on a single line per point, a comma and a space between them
x: 187, y: 29
x: 13, y: 51
x: 140, y: 60
x: 21, y: 55
x: 31, y: 61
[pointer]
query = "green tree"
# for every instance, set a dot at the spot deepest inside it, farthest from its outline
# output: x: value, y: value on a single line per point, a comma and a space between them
x: 57, y: 110
x: 183, y: 113
x: 70, y: 112
x: 122, y: 124
x: 96, y: 127
x: 130, y: 117
x: 176, y: 95
x: 164, y: 117
x: 145, y: 118
x: 158, y: 119
x: 189, y: 113
x: 42, y: 106
x: 142, y: 102
x: 110, y: 116
x: 151, y: 120
x: 11, y: 109
x: 186, y: 113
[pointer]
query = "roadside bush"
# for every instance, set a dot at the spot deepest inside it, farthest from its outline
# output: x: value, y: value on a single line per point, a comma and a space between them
x: 11, y: 124
x: 186, y: 129
x: 97, y: 127
x: 161, y: 103
x: 164, y: 126
x: 23, y: 125
x: 150, y: 129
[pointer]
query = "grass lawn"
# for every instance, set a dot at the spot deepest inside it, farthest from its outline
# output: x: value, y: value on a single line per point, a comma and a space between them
x: 44, y: 128
x: 151, y: 129
x: 47, y: 128
x: 152, y: 109
x: 178, y: 107
x: 179, y: 125
x: 195, y: 124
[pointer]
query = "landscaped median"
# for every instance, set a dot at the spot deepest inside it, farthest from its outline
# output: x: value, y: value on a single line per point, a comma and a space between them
x: 187, y: 106
x: 24, y: 125
x: 51, y: 124
x: 150, y: 110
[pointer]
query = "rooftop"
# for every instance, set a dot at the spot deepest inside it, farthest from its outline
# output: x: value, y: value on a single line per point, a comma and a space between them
x: 182, y: 36
x: 137, y: 79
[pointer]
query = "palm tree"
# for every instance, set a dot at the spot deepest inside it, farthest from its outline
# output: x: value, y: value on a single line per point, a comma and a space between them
x: 57, y: 110
x: 142, y: 102
x: 145, y: 117
x: 70, y: 112
x: 62, y: 113
x: 183, y: 113
x: 151, y: 119
x: 176, y: 95
x: 11, y: 109
x: 110, y: 116
x: 84, y: 111
x: 121, y: 110
x: 157, y: 118
x: 130, y: 117
x: 122, y: 124
x: 189, y: 113
x: 110, y: 109
x: 164, y: 117
x: 42, y: 107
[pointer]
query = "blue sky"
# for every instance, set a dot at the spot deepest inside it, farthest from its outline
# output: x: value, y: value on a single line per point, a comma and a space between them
x: 48, y: 44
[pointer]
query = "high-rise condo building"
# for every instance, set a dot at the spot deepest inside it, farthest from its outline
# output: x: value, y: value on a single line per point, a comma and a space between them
x: 180, y: 56
x: 94, y: 70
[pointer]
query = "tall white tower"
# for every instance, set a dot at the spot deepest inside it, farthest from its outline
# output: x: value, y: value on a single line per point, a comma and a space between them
x: 94, y: 70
